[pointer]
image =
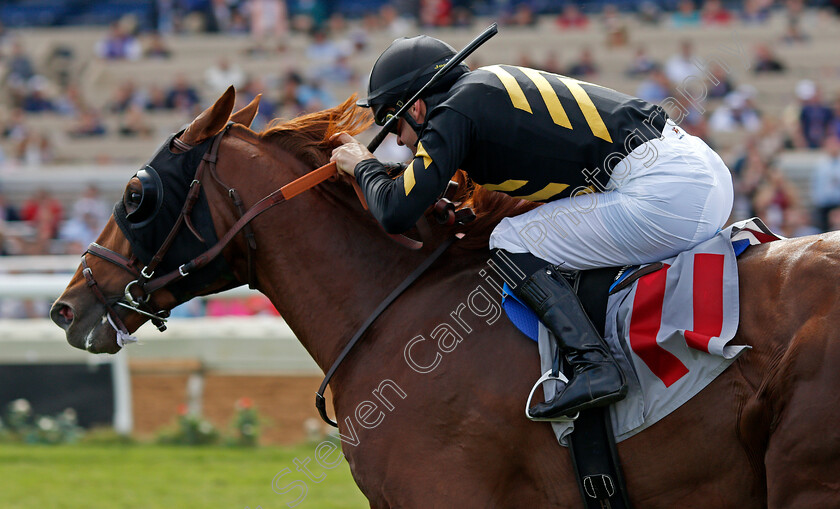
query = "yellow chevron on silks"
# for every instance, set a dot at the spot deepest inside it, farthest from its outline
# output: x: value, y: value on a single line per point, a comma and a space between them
x: 545, y: 193
x: 552, y: 102
x: 408, y: 176
x: 587, y: 107
x: 507, y: 185
x: 517, y: 96
x: 421, y: 152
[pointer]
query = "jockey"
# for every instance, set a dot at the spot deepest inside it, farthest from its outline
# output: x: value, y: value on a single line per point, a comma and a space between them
x: 622, y: 184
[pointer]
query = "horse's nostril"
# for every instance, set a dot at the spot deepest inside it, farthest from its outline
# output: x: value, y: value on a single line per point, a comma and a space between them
x: 62, y: 315
x: 67, y: 313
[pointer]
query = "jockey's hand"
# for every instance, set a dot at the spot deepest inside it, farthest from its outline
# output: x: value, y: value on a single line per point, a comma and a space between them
x: 348, y: 153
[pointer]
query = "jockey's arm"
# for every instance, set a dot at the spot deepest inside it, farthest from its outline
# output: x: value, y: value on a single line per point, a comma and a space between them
x: 400, y: 202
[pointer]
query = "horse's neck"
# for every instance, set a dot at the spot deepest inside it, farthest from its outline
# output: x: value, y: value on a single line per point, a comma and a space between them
x: 329, y: 280
x: 323, y: 262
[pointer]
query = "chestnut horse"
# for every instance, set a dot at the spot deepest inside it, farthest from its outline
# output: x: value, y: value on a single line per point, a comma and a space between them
x: 431, y: 415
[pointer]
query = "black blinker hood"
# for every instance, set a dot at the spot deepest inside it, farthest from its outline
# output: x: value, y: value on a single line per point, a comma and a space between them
x: 176, y: 172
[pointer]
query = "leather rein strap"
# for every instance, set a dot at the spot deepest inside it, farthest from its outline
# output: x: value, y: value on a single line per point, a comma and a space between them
x: 286, y: 192
x: 320, y: 401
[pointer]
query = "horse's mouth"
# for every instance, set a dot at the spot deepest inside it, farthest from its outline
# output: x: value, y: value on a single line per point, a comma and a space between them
x: 94, y: 335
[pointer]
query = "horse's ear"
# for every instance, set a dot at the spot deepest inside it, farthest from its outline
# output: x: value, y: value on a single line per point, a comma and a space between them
x: 211, y: 120
x: 246, y: 115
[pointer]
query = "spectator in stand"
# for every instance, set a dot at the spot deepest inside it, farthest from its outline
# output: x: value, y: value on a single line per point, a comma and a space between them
x: 797, y: 223
x: 88, y: 216
x: 585, y: 66
x: 222, y: 75
x: 656, y: 87
x: 522, y: 16
x: 8, y: 212
x: 314, y: 97
x: 218, y: 16
x: 89, y: 123
x: 392, y: 22
x: 339, y: 72
x: 572, y: 18
x: 19, y: 66
x: 682, y: 65
x: 686, y: 15
x: 615, y: 27
x: 156, y: 100
x: 36, y: 100
x: 794, y: 9
x: 462, y: 15
x: 825, y: 181
x: 649, y: 13
x: 722, y: 84
x: 735, y: 114
x: 765, y: 61
x: 322, y: 50
x: 239, y: 23
x: 289, y: 97
x: 44, y: 212
x: 756, y: 11
x: 815, y: 118
x: 182, y: 96
x: 34, y: 149
x: 435, y: 13
x: 70, y: 102
x: 20, y: 71
x: 269, y: 18
x: 774, y: 196
x: 134, y: 123
x: 642, y: 64
x: 119, y: 44
x: 156, y: 47
x: 714, y: 13
x: 124, y: 96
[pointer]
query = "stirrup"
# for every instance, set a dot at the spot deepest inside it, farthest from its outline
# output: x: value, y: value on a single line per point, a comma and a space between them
x: 543, y: 379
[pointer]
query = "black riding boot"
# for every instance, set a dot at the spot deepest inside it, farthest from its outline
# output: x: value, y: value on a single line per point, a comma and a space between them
x: 596, y: 379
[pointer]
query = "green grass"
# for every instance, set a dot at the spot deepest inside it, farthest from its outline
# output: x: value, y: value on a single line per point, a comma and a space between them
x: 171, y: 477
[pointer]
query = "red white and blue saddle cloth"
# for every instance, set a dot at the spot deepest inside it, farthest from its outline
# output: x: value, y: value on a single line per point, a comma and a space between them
x: 670, y: 330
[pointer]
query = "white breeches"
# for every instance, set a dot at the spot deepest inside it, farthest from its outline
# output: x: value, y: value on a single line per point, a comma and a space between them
x: 666, y: 196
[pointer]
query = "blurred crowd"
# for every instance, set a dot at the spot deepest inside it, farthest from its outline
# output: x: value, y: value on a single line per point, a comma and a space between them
x: 42, y: 224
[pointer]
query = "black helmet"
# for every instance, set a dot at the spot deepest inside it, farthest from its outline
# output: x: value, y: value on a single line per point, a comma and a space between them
x: 402, y: 70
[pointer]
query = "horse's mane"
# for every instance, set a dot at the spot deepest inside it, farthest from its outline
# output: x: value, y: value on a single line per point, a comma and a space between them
x: 307, y: 137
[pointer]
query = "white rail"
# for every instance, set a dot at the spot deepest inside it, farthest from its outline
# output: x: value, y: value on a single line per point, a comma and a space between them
x: 50, y: 286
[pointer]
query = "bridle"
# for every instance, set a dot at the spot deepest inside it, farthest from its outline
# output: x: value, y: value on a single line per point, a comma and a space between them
x: 147, y: 282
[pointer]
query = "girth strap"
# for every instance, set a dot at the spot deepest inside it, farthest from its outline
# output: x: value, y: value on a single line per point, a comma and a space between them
x: 320, y: 401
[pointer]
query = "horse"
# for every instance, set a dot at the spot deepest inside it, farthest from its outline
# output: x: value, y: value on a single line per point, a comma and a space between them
x: 430, y: 414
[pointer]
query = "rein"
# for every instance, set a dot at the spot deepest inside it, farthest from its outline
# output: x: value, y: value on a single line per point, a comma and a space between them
x: 320, y: 401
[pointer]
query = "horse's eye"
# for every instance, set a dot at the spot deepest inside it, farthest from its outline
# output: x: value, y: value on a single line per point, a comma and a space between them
x: 132, y: 198
x: 142, y: 196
